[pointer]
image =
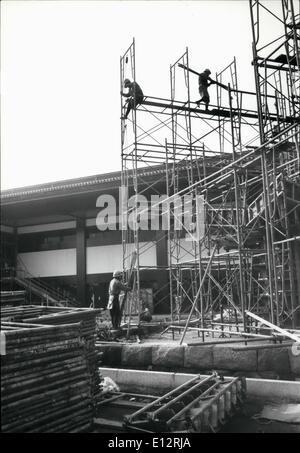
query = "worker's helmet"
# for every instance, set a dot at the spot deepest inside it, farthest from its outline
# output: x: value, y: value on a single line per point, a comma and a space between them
x: 208, y: 71
x: 126, y: 82
x: 117, y: 274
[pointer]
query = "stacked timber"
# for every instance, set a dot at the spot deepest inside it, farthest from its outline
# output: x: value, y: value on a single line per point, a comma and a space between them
x: 36, y: 314
x: 21, y: 313
x: 45, y: 381
x: 12, y: 298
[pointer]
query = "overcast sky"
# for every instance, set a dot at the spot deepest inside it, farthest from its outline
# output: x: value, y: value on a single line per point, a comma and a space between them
x: 60, y: 103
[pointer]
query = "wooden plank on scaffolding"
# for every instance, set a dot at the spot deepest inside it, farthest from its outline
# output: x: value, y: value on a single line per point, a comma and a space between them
x: 223, y: 112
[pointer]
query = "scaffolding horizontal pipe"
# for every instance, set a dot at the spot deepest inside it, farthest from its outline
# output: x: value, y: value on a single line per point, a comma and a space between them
x: 229, y: 332
x: 274, y: 327
x: 228, y: 341
x: 263, y: 346
x: 224, y: 112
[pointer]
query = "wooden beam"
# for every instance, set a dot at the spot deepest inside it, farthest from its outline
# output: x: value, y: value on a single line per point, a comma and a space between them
x: 276, y: 328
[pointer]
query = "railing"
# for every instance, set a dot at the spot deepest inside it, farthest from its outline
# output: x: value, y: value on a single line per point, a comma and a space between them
x: 36, y: 285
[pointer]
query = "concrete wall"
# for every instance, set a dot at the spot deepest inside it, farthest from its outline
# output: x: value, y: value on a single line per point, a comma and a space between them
x: 102, y: 259
x: 153, y: 382
x: 51, y: 263
x: 278, y: 363
x: 107, y: 258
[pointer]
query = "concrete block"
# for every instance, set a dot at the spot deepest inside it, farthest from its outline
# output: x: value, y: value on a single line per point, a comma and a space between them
x: 136, y: 355
x: 246, y: 374
x: 168, y: 356
x: 199, y: 357
x: 267, y: 389
x: 294, y: 358
x: 276, y: 360
x: 230, y: 359
x: 111, y: 354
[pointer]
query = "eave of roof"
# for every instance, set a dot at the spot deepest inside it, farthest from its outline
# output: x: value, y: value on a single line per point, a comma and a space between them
x: 74, y: 186
x: 70, y: 185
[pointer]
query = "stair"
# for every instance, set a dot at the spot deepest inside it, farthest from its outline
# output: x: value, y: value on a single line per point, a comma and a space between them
x: 39, y: 290
x: 20, y: 278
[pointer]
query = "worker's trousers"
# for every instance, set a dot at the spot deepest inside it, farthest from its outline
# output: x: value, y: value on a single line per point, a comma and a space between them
x: 115, y: 313
x: 133, y: 103
x: 204, y: 94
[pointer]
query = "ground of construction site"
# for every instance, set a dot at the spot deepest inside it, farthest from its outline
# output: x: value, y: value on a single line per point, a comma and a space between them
x: 163, y: 299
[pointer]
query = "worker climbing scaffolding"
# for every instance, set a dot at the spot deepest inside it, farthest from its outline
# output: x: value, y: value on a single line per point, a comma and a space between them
x: 135, y: 96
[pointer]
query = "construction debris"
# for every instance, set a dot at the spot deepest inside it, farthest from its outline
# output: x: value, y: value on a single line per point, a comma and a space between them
x: 288, y: 413
x: 108, y: 385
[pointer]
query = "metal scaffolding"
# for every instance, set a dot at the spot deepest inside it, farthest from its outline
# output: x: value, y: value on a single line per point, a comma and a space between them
x: 277, y: 78
x: 232, y: 184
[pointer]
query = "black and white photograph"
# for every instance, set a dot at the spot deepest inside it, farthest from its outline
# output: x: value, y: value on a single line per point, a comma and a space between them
x: 150, y: 219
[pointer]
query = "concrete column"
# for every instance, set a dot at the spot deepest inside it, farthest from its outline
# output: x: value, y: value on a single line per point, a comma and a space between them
x: 81, y: 261
x: 162, y: 291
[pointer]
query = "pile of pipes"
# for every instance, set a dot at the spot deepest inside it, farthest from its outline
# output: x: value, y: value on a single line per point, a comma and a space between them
x: 36, y: 314
x: 50, y: 369
x: 12, y: 298
x: 21, y: 313
x: 45, y: 380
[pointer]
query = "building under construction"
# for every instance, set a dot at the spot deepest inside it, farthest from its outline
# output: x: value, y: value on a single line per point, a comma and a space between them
x: 207, y: 235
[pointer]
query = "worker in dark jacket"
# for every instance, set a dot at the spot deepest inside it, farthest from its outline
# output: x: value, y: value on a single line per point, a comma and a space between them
x: 115, y: 288
x: 134, y: 94
x: 204, y: 82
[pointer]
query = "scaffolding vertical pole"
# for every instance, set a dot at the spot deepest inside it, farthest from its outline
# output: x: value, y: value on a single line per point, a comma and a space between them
x: 130, y: 249
x: 191, y: 179
x: 124, y: 183
x: 123, y: 168
x: 292, y: 32
x: 238, y: 216
x: 255, y: 32
x: 173, y: 183
x: 181, y: 162
x: 136, y: 190
x: 169, y: 240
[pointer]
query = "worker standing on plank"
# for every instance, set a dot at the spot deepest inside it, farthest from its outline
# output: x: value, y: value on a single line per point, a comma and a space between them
x: 204, y: 82
x: 115, y: 288
x: 135, y: 95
